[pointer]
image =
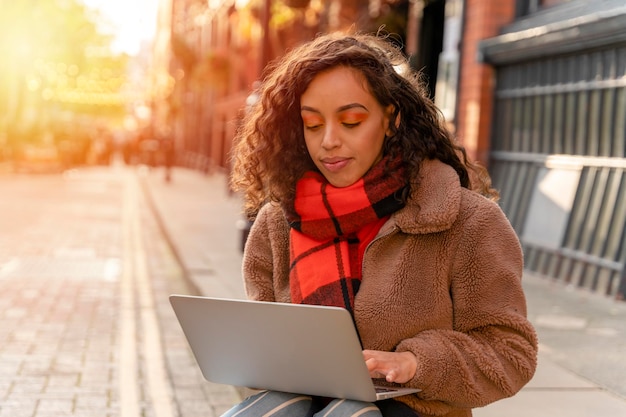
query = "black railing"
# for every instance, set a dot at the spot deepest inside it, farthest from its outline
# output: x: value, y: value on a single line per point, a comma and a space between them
x: 559, y: 161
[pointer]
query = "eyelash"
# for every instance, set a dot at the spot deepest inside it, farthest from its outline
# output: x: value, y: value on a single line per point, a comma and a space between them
x: 347, y: 125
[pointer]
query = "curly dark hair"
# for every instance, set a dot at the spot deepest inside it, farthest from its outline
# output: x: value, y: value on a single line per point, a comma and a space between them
x: 269, y: 153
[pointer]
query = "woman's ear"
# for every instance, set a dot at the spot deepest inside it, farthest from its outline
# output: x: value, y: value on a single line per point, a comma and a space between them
x: 390, y: 110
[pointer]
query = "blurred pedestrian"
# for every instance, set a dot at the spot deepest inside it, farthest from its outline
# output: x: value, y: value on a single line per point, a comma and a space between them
x: 362, y: 199
x: 169, y: 155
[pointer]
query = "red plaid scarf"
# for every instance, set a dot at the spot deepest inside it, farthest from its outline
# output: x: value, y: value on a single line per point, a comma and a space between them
x: 330, y: 228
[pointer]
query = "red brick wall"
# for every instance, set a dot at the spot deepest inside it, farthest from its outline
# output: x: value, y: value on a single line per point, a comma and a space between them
x: 483, y: 19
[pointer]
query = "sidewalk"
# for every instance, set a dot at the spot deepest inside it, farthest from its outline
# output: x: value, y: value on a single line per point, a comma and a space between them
x: 581, y: 372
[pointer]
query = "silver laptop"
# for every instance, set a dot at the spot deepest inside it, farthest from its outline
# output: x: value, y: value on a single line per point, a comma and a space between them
x: 295, y: 348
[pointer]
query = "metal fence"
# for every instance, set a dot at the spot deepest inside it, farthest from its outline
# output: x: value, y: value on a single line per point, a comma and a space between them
x: 559, y: 160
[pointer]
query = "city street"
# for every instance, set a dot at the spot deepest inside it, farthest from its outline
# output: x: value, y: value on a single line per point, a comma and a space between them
x: 88, y: 259
x: 121, y: 121
x: 85, y: 322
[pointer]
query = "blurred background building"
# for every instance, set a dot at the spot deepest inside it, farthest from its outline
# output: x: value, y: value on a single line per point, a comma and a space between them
x: 534, y: 89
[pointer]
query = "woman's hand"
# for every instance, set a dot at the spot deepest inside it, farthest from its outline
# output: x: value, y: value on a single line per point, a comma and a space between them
x: 398, y: 367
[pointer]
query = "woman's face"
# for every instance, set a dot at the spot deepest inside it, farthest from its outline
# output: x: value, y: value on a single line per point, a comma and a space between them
x: 344, y: 125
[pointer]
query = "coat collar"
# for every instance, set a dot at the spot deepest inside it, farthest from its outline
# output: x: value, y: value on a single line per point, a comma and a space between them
x: 434, y: 203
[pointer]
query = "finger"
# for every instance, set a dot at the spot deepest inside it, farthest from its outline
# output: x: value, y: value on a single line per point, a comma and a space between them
x: 368, y: 354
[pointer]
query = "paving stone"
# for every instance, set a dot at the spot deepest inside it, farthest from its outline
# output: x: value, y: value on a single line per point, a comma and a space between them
x: 61, y: 263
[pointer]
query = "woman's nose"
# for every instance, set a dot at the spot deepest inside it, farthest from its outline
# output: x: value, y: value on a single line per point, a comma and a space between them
x: 331, y: 138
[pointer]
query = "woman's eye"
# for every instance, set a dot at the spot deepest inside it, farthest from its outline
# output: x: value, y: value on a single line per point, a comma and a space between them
x: 351, y: 120
x: 312, y: 127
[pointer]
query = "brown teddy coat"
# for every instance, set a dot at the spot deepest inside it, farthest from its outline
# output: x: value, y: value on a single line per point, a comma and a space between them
x: 442, y: 280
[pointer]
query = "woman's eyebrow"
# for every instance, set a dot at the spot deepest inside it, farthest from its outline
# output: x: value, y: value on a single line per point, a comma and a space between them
x: 339, y: 110
x: 351, y: 106
x: 307, y: 108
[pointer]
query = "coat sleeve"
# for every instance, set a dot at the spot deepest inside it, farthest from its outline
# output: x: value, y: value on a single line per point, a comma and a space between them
x: 491, y: 351
x: 263, y: 263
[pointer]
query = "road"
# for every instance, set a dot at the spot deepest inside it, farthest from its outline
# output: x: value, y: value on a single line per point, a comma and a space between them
x: 85, y: 322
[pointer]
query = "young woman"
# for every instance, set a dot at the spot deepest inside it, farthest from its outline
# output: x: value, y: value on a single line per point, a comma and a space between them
x: 361, y: 199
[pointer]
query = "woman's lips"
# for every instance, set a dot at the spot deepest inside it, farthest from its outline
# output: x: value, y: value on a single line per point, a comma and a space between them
x: 335, y: 164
